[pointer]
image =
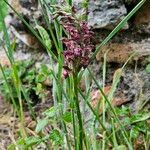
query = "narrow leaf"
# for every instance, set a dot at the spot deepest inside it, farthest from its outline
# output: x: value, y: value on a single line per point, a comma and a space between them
x: 45, y: 37
x: 41, y: 124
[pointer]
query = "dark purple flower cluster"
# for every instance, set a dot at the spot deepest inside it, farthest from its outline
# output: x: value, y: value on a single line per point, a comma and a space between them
x: 78, y: 45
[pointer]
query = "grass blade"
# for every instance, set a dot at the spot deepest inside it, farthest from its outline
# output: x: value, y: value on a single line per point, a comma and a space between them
x: 31, y: 29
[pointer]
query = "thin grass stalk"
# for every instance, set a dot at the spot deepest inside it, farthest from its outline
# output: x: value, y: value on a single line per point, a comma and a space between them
x: 82, y: 136
x: 87, y: 9
x: 58, y: 30
x: 58, y: 91
x: 80, y: 123
x: 9, y: 54
x: 95, y: 114
x: 60, y: 95
x: 17, y: 84
x: 74, y: 130
x: 5, y: 78
x: 93, y: 137
x: 45, y: 14
x: 114, y: 134
x: 87, y: 88
x: 103, y: 102
x: 72, y: 106
x: 31, y: 29
x: 9, y: 51
x: 60, y: 85
x: 23, y: 131
x: 15, y: 76
x: 59, y: 88
x: 124, y: 133
x: 118, y: 27
x: 91, y: 108
x: 64, y: 127
x: 147, y: 141
x: 73, y: 112
x: 66, y: 134
x: 31, y: 111
x: 9, y: 88
x: 70, y: 2
x: 60, y: 39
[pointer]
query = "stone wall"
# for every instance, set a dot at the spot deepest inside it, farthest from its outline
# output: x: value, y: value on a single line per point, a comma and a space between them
x: 104, y: 15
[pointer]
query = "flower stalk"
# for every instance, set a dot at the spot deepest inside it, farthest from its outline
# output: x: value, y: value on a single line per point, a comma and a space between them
x: 78, y: 112
x: 77, y: 52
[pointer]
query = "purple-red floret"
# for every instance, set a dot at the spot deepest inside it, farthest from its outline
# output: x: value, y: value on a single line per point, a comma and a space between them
x: 65, y: 73
x: 78, y: 45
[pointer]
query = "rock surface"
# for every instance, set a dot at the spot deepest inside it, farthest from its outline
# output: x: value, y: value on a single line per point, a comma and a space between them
x: 105, y: 13
x: 143, y: 15
x: 120, y: 52
x: 135, y: 39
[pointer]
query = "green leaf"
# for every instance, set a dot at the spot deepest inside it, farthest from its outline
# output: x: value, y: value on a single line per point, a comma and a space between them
x: 30, y: 141
x: 123, y: 111
x: 127, y: 120
x: 45, y: 69
x: 142, y: 126
x: 41, y: 124
x: 56, y: 137
x: 20, y: 144
x: 50, y: 112
x: 40, y: 78
x: 67, y: 117
x: 116, y: 80
x: 45, y: 36
x: 4, y: 11
x: 120, y: 147
x: 148, y: 59
x: 140, y: 118
x: 11, y: 147
x: 38, y: 88
x: 134, y: 133
x: 148, y: 68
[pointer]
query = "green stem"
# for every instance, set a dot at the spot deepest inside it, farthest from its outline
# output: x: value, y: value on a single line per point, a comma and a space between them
x: 9, y: 89
x: 81, y: 133
x: 70, y: 93
x: 74, y: 129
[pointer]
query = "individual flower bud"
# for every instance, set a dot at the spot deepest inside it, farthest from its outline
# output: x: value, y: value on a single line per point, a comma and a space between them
x: 65, y: 73
x: 77, y: 52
